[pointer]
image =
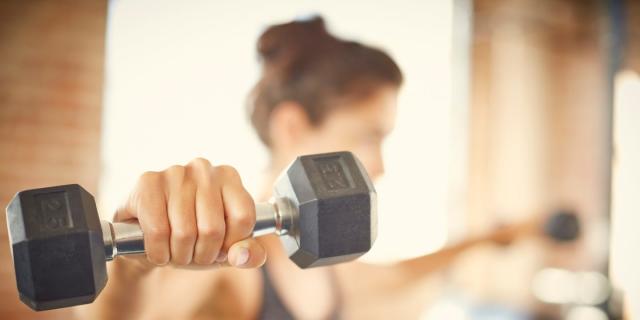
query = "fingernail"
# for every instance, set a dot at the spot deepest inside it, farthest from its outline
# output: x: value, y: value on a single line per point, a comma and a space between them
x: 242, y: 257
x: 222, y: 257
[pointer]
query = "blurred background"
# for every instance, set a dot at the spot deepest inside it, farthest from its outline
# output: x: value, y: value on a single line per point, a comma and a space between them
x: 511, y: 109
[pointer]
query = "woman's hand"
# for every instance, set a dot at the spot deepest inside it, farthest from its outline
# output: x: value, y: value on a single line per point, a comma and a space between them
x: 196, y: 214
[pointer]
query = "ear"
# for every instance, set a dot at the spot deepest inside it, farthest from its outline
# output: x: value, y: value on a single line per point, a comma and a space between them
x: 289, y: 125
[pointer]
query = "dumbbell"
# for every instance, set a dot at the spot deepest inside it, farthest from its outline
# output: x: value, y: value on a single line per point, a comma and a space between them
x: 562, y: 226
x: 323, y: 208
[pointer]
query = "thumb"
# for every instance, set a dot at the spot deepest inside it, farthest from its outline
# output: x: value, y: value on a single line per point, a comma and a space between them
x: 248, y: 253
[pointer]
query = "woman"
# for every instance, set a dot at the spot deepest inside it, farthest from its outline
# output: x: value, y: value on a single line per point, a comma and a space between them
x: 317, y: 94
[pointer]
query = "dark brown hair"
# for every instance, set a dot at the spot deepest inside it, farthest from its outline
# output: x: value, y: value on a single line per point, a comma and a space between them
x: 303, y: 63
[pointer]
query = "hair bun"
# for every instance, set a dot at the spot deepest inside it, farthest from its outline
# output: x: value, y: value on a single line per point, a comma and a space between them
x: 305, y: 64
x: 285, y: 43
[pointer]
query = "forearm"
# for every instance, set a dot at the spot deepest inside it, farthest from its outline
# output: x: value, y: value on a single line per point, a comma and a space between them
x: 404, y: 273
x: 436, y: 261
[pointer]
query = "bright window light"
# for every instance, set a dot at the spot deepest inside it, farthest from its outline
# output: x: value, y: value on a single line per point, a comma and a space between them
x: 625, y: 262
x: 178, y: 74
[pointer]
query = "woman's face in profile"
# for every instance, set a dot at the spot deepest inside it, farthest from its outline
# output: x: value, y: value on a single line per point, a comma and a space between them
x: 360, y: 128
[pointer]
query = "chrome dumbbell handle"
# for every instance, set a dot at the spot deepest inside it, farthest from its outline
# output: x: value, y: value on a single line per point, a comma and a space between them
x: 121, y: 238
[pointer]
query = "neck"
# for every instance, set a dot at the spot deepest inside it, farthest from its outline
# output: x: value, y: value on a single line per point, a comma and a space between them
x: 277, y: 164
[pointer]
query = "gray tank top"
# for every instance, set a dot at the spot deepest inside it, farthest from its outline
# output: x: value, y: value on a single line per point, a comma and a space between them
x: 273, y: 308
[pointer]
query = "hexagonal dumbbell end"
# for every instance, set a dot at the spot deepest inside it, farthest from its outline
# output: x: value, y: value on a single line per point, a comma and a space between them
x: 333, y: 205
x: 57, y: 246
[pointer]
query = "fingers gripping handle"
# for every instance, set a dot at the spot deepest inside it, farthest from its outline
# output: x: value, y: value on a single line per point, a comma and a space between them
x: 122, y: 238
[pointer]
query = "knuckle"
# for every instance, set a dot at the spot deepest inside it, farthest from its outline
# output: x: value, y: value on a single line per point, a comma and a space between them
x: 212, y: 233
x: 228, y: 171
x: 200, y: 163
x: 184, y: 235
x: 245, y: 221
x: 158, y: 232
x: 149, y: 177
x: 176, y: 172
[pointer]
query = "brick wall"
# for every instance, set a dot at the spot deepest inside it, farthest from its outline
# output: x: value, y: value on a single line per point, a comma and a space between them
x: 51, y: 76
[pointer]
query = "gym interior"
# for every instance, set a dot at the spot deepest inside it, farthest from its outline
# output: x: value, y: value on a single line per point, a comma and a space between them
x: 510, y: 183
